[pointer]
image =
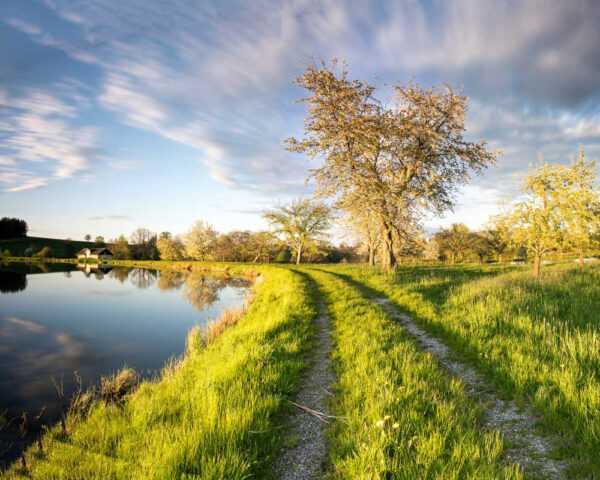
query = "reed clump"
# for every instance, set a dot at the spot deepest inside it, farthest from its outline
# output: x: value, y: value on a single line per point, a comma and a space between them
x: 200, y: 336
x: 115, y: 387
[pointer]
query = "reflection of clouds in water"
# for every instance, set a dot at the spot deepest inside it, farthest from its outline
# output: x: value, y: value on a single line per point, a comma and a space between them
x: 29, y: 325
x: 109, y: 293
x: 29, y: 354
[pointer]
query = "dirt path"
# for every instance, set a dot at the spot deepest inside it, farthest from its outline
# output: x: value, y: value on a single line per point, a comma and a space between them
x: 517, y: 425
x: 306, y: 457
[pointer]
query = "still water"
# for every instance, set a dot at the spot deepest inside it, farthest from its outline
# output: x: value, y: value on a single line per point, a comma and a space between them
x: 58, y: 319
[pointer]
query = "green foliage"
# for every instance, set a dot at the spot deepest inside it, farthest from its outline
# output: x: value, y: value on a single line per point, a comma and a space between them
x: 284, y: 256
x: 300, y: 224
x: 120, y: 249
x: 170, y: 248
x: 456, y: 240
x: 200, y: 241
x: 561, y: 210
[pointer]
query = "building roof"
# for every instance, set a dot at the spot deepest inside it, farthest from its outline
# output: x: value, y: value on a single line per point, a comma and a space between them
x: 95, y: 251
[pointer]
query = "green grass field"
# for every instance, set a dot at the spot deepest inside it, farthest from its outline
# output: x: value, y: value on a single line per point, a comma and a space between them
x: 60, y: 248
x: 219, y: 412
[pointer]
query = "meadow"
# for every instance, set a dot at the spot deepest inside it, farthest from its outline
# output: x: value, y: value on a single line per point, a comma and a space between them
x: 221, y: 410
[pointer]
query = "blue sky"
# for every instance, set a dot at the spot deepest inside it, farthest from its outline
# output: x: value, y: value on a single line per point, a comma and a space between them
x: 129, y: 113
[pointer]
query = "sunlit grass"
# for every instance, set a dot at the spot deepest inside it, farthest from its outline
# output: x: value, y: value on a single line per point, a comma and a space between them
x: 535, y: 339
x: 211, y: 415
x: 402, y: 416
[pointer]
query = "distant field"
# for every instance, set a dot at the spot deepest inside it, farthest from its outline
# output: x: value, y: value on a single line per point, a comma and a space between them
x: 60, y: 248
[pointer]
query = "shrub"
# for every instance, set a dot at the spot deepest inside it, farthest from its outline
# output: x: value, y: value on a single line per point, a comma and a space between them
x: 115, y: 387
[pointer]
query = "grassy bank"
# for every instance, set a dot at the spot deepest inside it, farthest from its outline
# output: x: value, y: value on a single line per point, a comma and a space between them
x: 402, y: 418
x: 537, y: 340
x: 214, y: 414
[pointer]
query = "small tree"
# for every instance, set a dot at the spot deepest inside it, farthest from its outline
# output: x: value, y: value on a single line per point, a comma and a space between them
x: 368, y: 230
x: 299, y: 223
x: 538, y: 221
x: 581, y: 203
x: 497, y: 234
x: 455, y: 240
x: 260, y: 246
x: 87, y: 237
x: 479, y: 245
x: 121, y: 249
x: 431, y: 252
x: 99, y: 241
x: 143, y: 244
x: 170, y: 248
x: 200, y: 240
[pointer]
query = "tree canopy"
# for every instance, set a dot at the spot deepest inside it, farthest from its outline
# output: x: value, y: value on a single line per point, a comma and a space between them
x: 299, y: 223
x: 391, y: 162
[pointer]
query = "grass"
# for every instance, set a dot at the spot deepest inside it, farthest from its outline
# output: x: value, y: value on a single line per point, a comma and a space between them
x: 60, y: 248
x: 218, y: 412
x: 402, y: 417
x: 535, y: 340
x: 213, y: 414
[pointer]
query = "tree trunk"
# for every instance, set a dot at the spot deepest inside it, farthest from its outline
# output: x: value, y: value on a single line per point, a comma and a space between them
x: 371, y: 256
x: 388, y: 261
x: 581, y: 255
x: 500, y: 257
x: 536, y: 266
x: 299, y: 256
x: 452, y: 258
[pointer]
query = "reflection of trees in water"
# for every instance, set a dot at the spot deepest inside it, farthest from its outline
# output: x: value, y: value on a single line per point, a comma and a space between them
x: 44, y: 267
x: 67, y: 274
x: 169, y: 280
x: 202, y: 292
x: 120, y: 273
x: 11, y: 282
x: 143, y: 277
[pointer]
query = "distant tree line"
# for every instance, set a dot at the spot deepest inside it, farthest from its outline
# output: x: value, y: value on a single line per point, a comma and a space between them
x: 12, y: 228
x: 203, y: 243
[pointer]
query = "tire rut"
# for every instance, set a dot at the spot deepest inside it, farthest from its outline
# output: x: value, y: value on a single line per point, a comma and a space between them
x: 306, y: 458
x: 533, y: 452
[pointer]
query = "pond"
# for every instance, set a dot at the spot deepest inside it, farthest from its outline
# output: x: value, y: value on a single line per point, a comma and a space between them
x: 58, y: 321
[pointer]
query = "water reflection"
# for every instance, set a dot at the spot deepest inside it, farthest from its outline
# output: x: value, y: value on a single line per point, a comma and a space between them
x: 94, y: 268
x: 92, y: 319
x: 11, y: 282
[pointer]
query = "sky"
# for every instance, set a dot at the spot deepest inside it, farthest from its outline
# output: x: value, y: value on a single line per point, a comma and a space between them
x: 122, y: 114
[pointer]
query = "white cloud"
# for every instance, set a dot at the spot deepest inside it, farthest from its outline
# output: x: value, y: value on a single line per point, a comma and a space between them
x: 216, y: 77
x: 41, y: 141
